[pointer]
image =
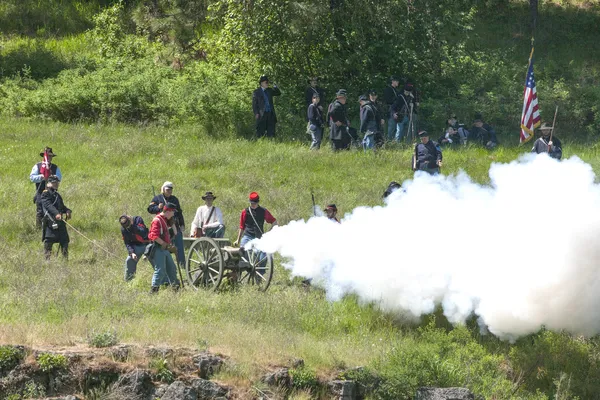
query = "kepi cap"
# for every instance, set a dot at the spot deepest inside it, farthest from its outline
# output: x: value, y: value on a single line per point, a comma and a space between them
x: 331, y: 207
x: 254, y: 197
x: 341, y: 93
x: 53, y: 178
x: 263, y: 78
x: 169, y: 207
x: 167, y: 185
x: 423, y: 134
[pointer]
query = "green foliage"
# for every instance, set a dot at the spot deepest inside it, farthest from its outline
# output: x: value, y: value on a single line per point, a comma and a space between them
x: 49, y: 362
x: 161, y: 369
x: 102, y: 339
x: 10, y: 357
x: 34, y: 390
x: 304, y: 379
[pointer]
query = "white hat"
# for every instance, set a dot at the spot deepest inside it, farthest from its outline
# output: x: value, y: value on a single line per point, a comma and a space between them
x: 167, y: 184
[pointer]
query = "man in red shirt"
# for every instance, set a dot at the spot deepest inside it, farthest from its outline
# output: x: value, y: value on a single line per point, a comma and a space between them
x: 164, y: 267
x: 252, y: 221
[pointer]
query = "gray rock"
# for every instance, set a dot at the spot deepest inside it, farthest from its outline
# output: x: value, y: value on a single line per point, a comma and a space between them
x: 160, y: 391
x: 136, y: 384
x: 120, y: 353
x: 343, y: 390
x: 179, y: 391
x: 208, y: 390
x: 431, y: 393
x: 159, y: 352
x: 208, y: 364
x: 297, y: 363
x: 71, y: 398
x: 280, y: 377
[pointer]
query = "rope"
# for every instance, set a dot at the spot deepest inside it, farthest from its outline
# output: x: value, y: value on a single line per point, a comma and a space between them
x: 90, y: 240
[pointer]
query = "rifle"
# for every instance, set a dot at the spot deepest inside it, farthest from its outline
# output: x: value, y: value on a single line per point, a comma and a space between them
x: 314, y: 205
x: 153, y: 191
x: 552, y: 131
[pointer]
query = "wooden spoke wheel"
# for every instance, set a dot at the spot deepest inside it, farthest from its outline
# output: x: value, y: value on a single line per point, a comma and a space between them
x: 258, y: 271
x: 204, y: 265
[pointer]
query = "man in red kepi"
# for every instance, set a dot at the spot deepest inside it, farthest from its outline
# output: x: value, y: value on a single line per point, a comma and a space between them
x: 252, y: 221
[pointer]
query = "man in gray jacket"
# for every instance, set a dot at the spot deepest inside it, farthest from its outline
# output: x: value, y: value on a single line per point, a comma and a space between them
x: 546, y: 145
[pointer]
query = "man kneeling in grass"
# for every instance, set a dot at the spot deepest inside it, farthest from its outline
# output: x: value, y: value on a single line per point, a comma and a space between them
x: 135, y: 237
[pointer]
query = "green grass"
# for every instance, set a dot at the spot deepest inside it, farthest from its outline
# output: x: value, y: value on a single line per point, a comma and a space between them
x: 111, y: 170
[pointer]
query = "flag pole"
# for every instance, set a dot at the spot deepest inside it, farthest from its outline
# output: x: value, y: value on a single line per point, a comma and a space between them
x: 552, y: 131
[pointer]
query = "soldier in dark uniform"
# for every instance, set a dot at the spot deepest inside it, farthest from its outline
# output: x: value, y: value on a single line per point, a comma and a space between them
x: 545, y: 145
x: 427, y: 156
x: 370, y: 123
x: 402, y: 111
x: 39, y: 174
x: 264, y: 109
x: 339, y: 122
x: 482, y: 133
x: 313, y: 89
x: 378, y: 109
x: 390, y: 93
x: 54, y: 229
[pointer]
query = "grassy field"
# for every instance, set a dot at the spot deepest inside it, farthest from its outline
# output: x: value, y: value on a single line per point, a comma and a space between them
x: 110, y: 170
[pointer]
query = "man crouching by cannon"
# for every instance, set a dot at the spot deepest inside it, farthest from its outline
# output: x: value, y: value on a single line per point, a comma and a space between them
x: 54, y: 229
x: 165, y: 270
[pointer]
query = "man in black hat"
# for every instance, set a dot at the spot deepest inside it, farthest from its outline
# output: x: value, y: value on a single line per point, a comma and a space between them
x: 264, y: 109
x: 402, y: 111
x: 379, y: 136
x: 545, y: 144
x: 390, y: 93
x: 455, y: 133
x: 427, y: 156
x: 55, y: 213
x: 313, y: 89
x: 208, y: 220
x: 482, y: 133
x: 338, y: 122
x: 39, y: 175
x: 135, y: 237
x: 331, y: 212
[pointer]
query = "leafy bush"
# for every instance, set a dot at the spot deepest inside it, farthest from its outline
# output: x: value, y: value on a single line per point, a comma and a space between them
x: 161, y: 369
x: 103, y: 339
x: 10, y: 357
x: 304, y: 379
x: 52, y: 362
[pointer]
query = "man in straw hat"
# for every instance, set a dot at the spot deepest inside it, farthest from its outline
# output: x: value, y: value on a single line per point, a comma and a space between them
x: 547, y: 143
x: 208, y: 220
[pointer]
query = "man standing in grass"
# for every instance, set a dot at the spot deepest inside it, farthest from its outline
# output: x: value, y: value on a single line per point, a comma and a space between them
x: 427, y: 156
x: 165, y: 270
x: 338, y: 122
x: 369, y: 122
x: 546, y: 145
x: 208, y: 220
x: 252, y: 221
x: 264, y: 109
x: 315, y: 122
x: 390, y: 93
x: 54, y: 229
x: 39, y: 175
x: 135, y: 237
x: 156, y: 206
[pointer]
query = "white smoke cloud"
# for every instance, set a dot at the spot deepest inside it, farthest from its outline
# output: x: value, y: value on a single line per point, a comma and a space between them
x: 520, y: 254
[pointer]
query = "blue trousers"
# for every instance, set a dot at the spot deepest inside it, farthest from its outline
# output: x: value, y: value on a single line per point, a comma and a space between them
x: 165, y: 270
x: 131, y: 264
x: 178, y: 242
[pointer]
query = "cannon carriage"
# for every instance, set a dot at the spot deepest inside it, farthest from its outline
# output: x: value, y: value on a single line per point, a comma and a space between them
x: 210, y: 262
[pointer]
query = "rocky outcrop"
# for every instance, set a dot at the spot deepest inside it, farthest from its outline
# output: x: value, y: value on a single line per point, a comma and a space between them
x: 431, y: 393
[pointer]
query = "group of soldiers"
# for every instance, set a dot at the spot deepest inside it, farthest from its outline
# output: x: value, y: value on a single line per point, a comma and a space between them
x: 399, y: 112
x: 165, y: 235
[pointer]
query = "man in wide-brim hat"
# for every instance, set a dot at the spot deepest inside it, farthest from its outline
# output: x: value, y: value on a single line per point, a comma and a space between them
x: 547, y: 143
x: 208, y: 220
x: 39, y: 175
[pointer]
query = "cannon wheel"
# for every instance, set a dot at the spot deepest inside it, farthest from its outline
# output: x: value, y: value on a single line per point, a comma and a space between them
x: 260, y: 270
x: 204, y: 265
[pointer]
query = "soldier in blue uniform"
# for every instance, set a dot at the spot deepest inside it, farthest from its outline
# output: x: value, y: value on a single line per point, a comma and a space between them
x: 54, y: 229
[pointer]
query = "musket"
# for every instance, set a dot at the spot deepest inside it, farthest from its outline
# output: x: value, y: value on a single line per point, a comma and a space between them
x: 153, y: 191
x: 552, y: 131
x: 314, y: 205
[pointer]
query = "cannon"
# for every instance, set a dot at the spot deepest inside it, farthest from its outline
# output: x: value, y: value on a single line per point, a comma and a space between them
x: 210, y: 262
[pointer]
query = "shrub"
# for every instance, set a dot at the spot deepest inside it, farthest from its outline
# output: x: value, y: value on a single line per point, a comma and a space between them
x: 162, y: 371
x: 304, y: 379
x: 52, y: 362
x: 103, y: 339
x: 10, y: 357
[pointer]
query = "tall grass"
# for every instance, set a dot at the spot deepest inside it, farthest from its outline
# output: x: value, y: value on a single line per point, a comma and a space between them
x: 111, y: 170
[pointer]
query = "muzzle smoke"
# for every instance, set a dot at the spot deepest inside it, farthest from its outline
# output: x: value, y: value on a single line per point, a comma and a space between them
x: 520, y: 254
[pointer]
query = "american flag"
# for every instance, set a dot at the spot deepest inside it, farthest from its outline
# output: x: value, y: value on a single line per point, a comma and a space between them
x: 530, y: 119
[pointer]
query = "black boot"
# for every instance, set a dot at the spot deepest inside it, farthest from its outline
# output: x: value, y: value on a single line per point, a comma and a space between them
x: 154, y: 289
